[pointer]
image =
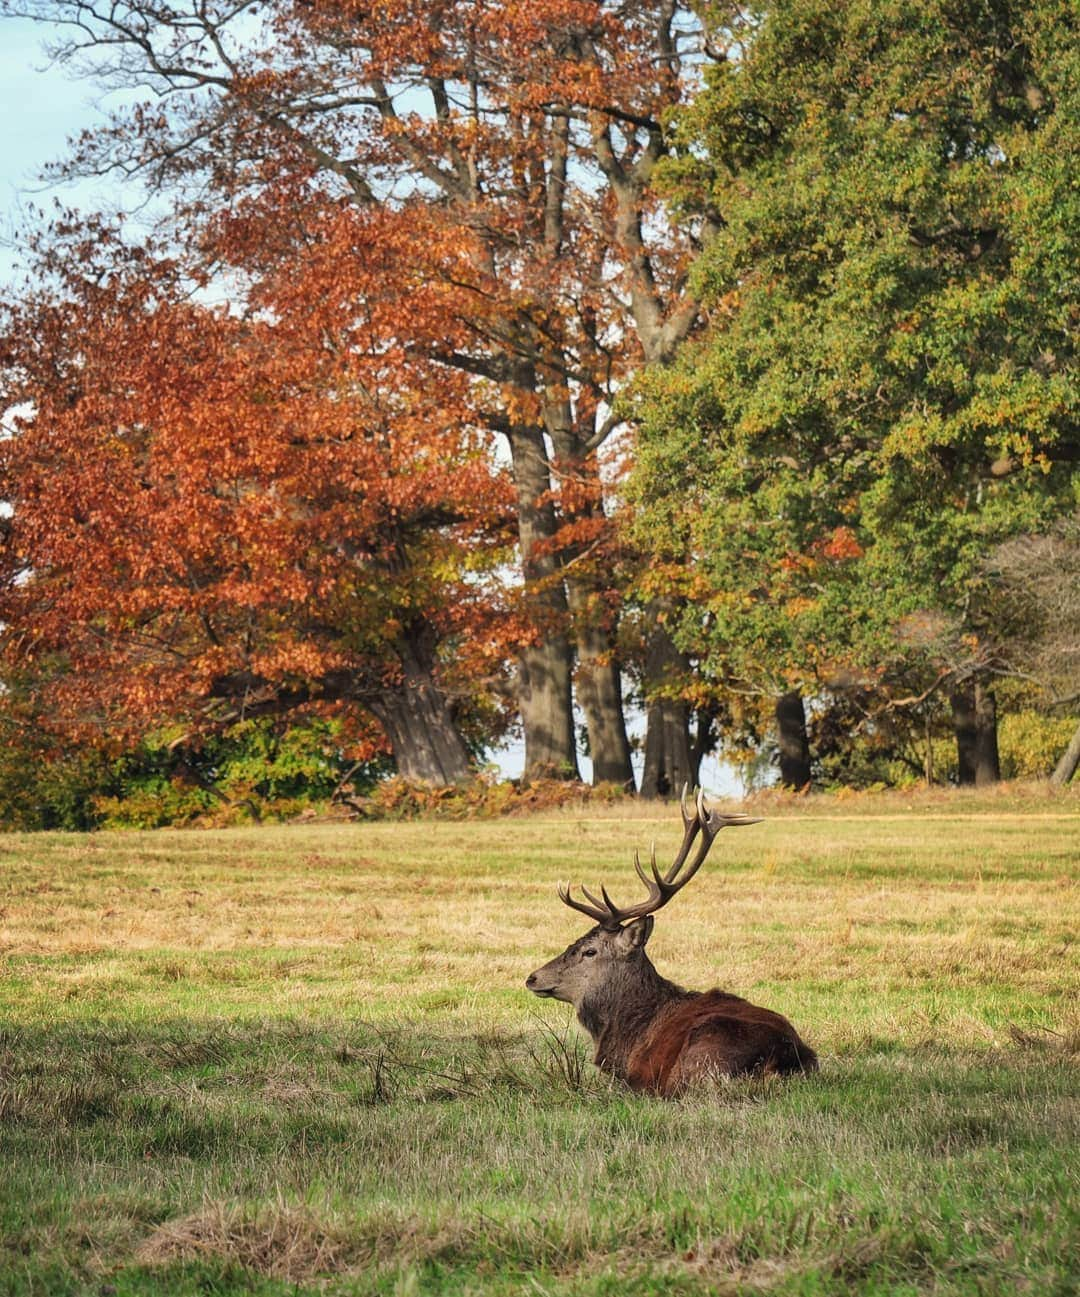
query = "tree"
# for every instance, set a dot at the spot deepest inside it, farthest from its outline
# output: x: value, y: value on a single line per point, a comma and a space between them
x: 888, y: 385
x: 216, y: 517
x: 513, y: 147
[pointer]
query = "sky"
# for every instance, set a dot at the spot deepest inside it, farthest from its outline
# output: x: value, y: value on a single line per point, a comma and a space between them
x: 41, y: 107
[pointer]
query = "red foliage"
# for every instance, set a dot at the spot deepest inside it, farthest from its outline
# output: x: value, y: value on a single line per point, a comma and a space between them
x: 840, y: 545
x: 440, y: 223
x: 214, y: 513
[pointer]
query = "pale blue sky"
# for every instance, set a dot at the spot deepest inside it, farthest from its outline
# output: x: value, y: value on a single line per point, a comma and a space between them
x: 40, y: 108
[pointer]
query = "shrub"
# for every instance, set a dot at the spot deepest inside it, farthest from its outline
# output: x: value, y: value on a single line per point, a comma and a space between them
x: 1030, y: 743
x: 482, y: 798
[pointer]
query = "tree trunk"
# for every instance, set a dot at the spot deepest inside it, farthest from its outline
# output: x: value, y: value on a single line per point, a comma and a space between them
x: 599, y: 692
x: 975, y: 725
x: 425, y: 742
x: 419, y: 723
x: 544, y: 668
x: 987, y: 761
x: 670, y: 760
x: 599, y: 695
x: 963, y: 708
x: 597, y: 683
x: 794, y: 745
x: 1070, y: 759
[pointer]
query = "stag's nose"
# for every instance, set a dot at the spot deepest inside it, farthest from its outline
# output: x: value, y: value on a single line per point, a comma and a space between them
x: 530, y: 981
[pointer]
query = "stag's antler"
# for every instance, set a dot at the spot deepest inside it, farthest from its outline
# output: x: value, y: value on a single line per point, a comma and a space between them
x: 661, y: 887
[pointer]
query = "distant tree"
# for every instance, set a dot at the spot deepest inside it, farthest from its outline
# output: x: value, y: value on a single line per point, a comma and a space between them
x: 888, y: 385
x: 266, y: 767
x: 44, y: 785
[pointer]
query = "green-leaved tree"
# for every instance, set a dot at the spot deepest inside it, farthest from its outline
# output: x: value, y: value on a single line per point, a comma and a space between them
x: 887, y: 386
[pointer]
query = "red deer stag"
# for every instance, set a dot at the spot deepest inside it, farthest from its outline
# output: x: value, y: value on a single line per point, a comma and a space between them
x: 649, y: 1032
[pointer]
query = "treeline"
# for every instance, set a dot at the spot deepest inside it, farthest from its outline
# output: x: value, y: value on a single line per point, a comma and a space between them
x: 493, y: 359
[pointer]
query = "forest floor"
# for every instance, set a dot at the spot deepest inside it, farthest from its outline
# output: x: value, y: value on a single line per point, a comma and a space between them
x: 302, y: 1059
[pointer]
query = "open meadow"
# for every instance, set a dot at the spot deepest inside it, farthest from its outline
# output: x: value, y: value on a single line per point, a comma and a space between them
x: 302, y: 1059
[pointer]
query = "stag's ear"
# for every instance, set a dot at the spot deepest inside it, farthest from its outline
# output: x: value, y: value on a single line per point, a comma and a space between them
x: 633, y: 936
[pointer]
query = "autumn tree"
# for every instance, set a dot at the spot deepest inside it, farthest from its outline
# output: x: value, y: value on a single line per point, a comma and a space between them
x: 888, y: 385
x: 217, y: 517
x: 513, y: 146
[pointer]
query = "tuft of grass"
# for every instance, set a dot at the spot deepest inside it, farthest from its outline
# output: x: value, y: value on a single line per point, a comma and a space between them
x: 302, y: 1060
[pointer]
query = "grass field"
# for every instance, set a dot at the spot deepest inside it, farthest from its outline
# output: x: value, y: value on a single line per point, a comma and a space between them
x: 302, y: 1059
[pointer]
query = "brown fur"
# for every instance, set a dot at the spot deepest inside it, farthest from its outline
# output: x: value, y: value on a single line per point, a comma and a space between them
x: 714, y: 1033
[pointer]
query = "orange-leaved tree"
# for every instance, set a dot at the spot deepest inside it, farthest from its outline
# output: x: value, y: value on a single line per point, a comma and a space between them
x: 217, y: 516
x: 511, y: 144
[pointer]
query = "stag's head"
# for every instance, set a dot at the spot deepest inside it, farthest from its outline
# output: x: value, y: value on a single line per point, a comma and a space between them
x: 590, y: 962
x: 618, y: 940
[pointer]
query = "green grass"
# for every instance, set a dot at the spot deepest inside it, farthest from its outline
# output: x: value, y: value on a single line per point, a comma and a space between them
x: 302, y: 1060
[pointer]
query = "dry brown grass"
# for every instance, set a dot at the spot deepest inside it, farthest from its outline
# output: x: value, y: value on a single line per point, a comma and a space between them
x: 413, y: 917
x: 287, y: 1242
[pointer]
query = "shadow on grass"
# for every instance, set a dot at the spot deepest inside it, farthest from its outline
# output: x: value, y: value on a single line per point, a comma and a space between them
x: 211, y: 1156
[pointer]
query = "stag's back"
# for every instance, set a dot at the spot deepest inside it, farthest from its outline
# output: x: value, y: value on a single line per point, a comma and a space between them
x: 714, y: 1034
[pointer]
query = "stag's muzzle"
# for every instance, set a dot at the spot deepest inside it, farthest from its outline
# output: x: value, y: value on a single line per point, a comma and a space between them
x: 534, y: 982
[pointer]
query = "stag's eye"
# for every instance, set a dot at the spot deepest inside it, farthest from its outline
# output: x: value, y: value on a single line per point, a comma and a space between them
x: 588, y: 953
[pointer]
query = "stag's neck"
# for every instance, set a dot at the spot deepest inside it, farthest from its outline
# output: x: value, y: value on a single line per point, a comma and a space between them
x: 618, y: 1016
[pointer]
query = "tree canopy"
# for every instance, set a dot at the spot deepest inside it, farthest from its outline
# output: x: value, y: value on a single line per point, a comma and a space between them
x: 888, y: 385
x: 217, y: 517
